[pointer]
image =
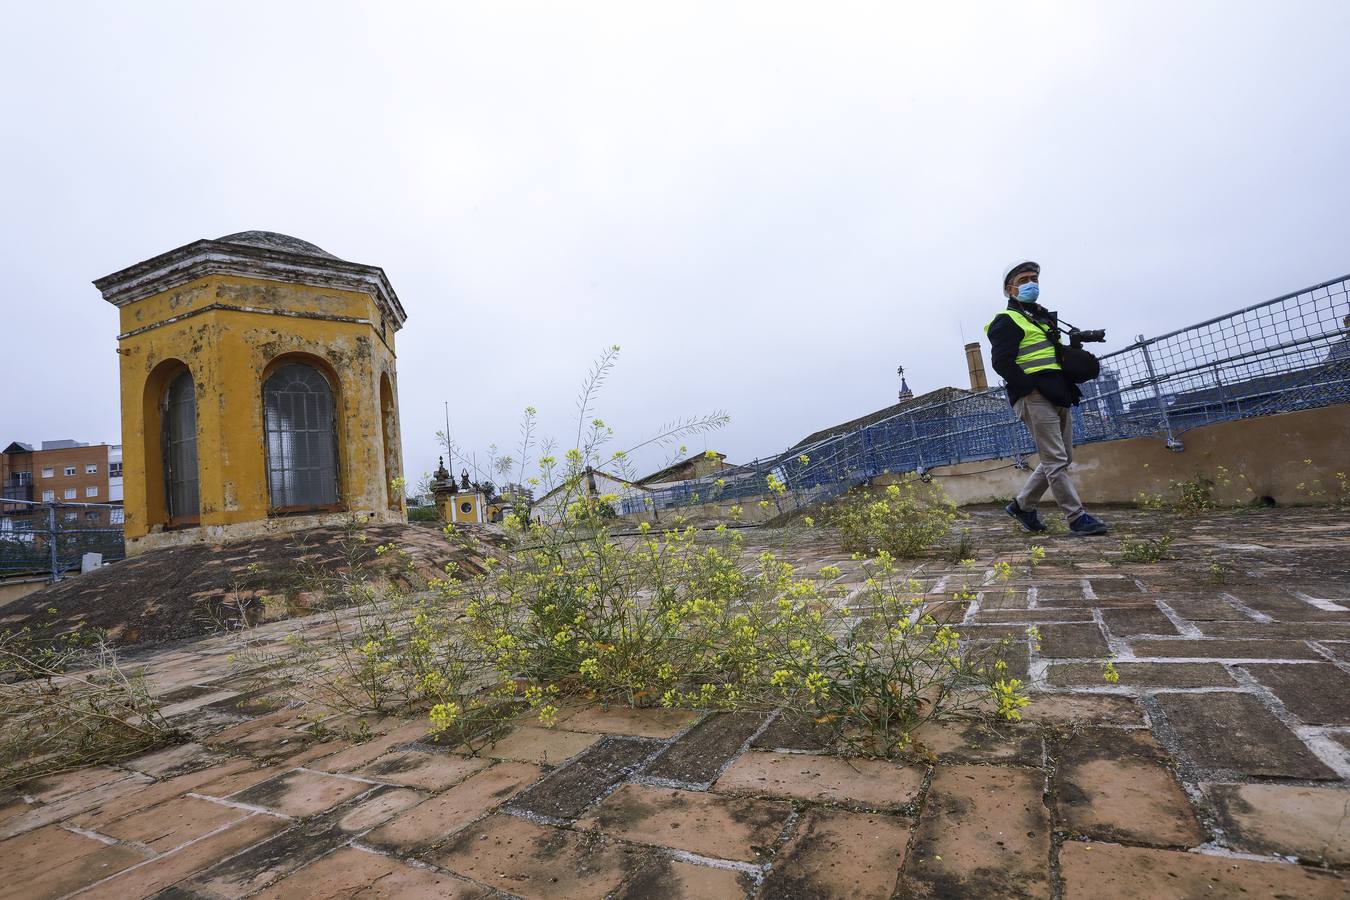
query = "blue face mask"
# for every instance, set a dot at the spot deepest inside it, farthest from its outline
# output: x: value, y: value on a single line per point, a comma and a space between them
x: 1028, y: 292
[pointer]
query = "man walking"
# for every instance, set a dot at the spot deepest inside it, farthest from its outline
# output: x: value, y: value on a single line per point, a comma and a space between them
x: 1024, y: 338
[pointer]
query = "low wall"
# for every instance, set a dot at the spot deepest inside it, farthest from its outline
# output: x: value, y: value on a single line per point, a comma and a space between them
x: 1266, y: 456
x: 240, y: 531
x: 1281, y: 457
x: 13, y: 588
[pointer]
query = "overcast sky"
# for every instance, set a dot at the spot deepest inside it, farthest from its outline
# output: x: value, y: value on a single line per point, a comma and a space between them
x: 767, y: 206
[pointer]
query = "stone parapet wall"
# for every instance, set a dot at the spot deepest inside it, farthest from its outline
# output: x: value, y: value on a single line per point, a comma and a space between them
x: 1281, y: 457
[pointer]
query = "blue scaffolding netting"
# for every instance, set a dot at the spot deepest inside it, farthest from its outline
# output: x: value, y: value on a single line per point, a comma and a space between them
x: 1285, y: 354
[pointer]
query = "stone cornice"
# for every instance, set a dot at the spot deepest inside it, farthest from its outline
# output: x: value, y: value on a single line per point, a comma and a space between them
x: 206, y: 257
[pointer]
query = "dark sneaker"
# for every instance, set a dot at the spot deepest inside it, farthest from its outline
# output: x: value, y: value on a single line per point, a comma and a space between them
x: 1029, y: 520
x: 1086, y: 526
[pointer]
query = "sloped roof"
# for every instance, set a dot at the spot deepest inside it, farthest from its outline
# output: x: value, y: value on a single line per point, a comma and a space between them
x: 941, y: 395
x: 18, y: 447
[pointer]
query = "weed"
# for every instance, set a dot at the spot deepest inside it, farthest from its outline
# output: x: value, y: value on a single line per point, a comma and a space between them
x: 1147, y: 550
x: 1337, y: 497
x: 1218, y: 573
x: 963, y: 549
x: 72, y: 704
x: 904, y: 520
x: 1154, y: 502
x: 1193, y: 497
x: 675, y: 617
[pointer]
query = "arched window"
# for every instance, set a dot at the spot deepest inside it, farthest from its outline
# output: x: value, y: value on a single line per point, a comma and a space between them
x: 389, y: 428
x: 301, y: 438
x: 179, y: 418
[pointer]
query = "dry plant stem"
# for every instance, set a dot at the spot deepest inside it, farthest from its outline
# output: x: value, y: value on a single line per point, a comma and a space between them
x: 56, y: 720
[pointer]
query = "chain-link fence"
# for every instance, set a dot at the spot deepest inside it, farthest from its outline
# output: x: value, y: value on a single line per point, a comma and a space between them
x: 52, y: 538
x: 1289, y: 353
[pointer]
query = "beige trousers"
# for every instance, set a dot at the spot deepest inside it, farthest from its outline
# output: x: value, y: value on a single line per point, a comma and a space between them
x: 1051, y: 428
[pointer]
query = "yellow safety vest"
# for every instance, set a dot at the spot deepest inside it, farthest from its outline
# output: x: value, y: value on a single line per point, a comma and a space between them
x: 1036, y: 352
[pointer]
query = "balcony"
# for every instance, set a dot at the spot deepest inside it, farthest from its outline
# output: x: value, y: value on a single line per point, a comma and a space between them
x: 13, y: 490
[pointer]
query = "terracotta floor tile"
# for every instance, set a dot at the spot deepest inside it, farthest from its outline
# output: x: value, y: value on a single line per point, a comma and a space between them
x: 102, y: 815
x: 963, y: 741
x: 837, y: 854
x: 71, y: 805
x: 670, y: 879
x: 52, y: 861
x: 1311, y: 823
x: 984, y: 832
x: 538, y: 861
x: 157, y: 874
x: 653, y: 723
x: 175, y: 760
x: 1090, y: 709
x: 543, y: 746
x: 1108, y: 872
x: 381, y: 806
x: 706, y: 824
x: 349, y: 872
x: 234, y: 779
x: 1115, y: 785
x: 415, y: 768
x: 51, y: 788
x: 301, y: 792
x: 362, y: 754
x: 436, y: 819
x: 168, y: 825
x: 870, y: 783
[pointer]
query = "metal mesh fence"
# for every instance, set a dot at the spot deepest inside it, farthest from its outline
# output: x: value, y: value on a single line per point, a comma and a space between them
x: 51, y: 538
x: 1285, y: 354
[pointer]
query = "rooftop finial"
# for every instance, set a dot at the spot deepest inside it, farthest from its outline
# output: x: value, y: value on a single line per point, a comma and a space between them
x: 905, y: 392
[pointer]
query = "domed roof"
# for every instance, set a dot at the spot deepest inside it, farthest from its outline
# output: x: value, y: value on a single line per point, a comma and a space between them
x: 271, y: 240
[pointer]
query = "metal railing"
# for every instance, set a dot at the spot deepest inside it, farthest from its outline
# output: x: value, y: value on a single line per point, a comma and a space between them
x: 51, y: 538
x: 1285, y: 354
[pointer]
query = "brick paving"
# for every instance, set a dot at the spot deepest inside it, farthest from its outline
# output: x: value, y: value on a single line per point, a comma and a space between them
x: 1217, y: 766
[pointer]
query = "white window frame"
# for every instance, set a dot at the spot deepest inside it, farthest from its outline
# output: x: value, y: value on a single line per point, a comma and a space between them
x: 114, y: 470
x: 48, y: 471
x: 49, y: 496
x: 91, y: 468
x: 70, y: 470
x: 91, y: 491
x: 69, y: 494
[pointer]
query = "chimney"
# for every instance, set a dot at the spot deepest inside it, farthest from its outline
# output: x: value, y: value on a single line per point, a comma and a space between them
x: 975, y: 364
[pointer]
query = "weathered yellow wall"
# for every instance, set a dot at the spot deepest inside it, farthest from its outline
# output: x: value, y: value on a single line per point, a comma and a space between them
x: 448, y: 506
x: 229, y: 330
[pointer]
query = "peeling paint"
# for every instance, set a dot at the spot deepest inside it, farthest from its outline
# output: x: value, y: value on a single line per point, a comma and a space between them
x: 229, y: 349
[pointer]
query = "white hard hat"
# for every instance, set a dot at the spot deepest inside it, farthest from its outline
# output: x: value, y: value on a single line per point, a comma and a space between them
x: 1020, y: 266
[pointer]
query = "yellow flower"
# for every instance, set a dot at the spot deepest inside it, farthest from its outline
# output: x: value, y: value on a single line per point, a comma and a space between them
x: 1010, y: 698
x: 443, y: 715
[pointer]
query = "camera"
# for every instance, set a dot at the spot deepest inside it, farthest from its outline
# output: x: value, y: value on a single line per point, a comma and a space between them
x: 1079, y: 338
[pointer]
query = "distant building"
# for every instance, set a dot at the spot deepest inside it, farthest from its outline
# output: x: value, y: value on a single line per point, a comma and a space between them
x: 694, y: 467
x: 64, y: 471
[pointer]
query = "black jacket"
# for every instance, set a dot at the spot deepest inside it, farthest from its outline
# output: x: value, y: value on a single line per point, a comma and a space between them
x: 1005, y: 336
